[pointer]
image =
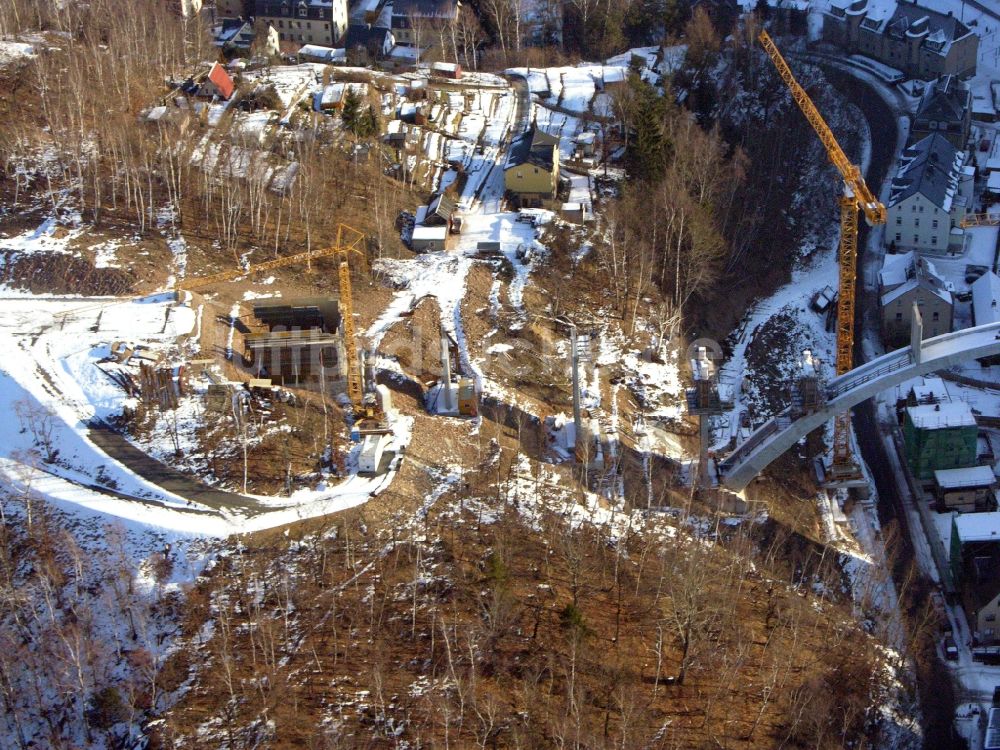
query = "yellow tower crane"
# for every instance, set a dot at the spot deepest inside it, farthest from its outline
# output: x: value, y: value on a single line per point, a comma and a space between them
x: 348, y: 241
x: 857, y: 197
x: 979, y: 220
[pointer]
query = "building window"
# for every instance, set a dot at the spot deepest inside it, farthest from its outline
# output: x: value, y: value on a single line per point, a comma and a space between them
x: 281, y: 36
x: 899, y: 221
x: 991, y: 617
x: 309, y: 24
x: 934, y: 224
x: 899, y: 237
x: 935, y: 316
x: 921, y: 209
x: 281, y: 24
x: 933, y: 240
x: 916, y: 222
x: 916, y: 239
x: 899, y: 317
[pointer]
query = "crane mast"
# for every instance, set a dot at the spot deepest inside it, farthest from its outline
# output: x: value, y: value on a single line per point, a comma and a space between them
x: 348, y: 241
x: 856, y: 198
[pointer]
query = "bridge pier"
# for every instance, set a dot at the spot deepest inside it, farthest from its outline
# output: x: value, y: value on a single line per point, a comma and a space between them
x: 916, y: 333
x: 779, y: 434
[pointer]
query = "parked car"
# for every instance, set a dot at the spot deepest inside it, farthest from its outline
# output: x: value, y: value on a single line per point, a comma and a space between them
x: 950, y: 648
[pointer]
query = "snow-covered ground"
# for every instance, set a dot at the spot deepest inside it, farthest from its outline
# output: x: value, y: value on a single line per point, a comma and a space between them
x: 53, y: 382
x: 11, y: 51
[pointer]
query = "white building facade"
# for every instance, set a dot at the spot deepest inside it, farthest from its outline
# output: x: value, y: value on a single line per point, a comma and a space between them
x: 931, y: 192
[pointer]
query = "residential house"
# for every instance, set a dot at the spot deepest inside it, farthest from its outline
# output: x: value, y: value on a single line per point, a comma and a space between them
x: 303, y: 342
x: 906, y: 279
x: 321, y: 22
x: 939, y: 436
x: 233, y: 9
x: 333, y: 95
x: 234, y: 36
x: 922, y: 42
x: 985, y: 296
x: 316, y: 53
x: 216, y: 84
x: 945, y: 108
x: 238, y: 38
x: 974, y: 558
x: 986, y: 307
x: 531, y: 175
x: 929, y: 197
x: 366, y: 11
x: 965, y: 490
x: 415, y: 21
x: 402, y: 59
x: 366, y: 45
x: 447, y: 70
x: 440, y: 212
x: 429, y: 239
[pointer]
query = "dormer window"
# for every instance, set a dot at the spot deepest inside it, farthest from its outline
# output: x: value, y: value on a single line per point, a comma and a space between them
x: 303, y: 10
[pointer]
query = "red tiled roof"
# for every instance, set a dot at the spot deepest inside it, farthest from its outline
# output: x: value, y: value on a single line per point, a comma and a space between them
x: 222, y: 81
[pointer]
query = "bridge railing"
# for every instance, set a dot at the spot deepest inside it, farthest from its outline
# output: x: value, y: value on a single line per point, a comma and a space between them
x: 758, y: 437
x: 839, y: 386
x: 935, y: 353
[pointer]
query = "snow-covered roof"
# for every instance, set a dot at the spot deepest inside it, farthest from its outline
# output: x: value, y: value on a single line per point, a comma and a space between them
x: 977, y: 527
x: 930, y: 391
x: 904, y: 19
x: 973, y: 476
x: 897, y: 268
x: 913, y: 285
x: 402, y: 52
x: 318, y: 52
x: 429, y: 233
x: 941, y: 416
x: 993, y: 181
x: 335, y: 92
x: 930, y: 167
x: 986, y: 299
x: 945, y: 100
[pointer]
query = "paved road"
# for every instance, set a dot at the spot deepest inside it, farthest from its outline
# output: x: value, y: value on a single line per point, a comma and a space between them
x: 115, y: 445
x: 491, y: 191
x: 882, y: 118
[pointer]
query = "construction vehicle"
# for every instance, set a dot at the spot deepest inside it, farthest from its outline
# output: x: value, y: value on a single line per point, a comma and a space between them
x: 856, y: 197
